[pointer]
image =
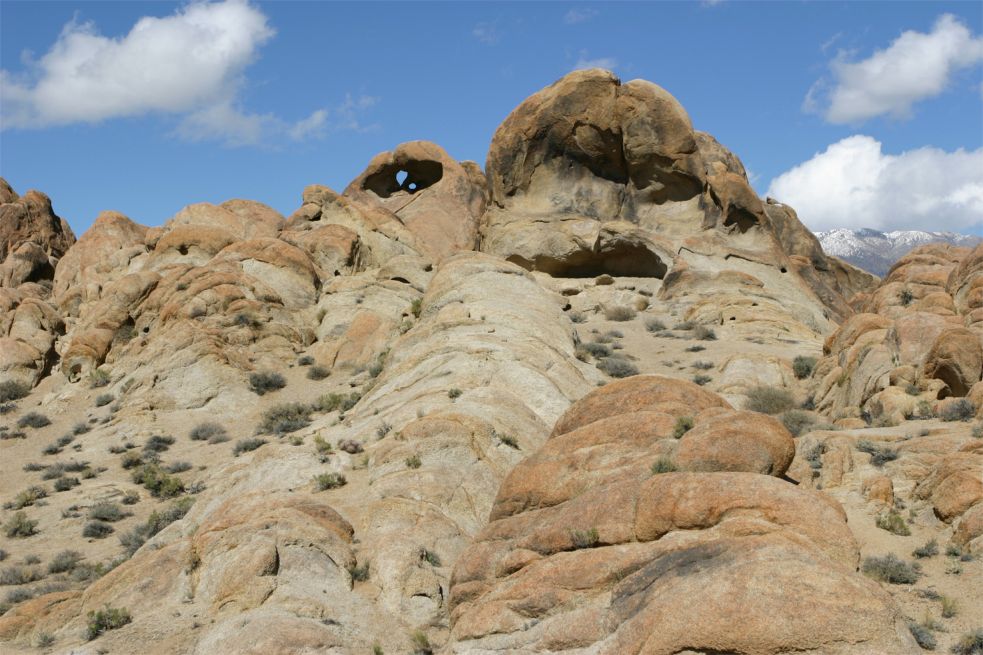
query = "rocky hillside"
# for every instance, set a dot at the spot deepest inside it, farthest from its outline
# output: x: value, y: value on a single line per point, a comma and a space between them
x: 877, y: 251
x: 563, y: 404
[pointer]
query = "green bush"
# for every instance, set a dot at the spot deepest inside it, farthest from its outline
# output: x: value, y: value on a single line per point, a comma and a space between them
x: 906, y: 297
x: 104, y: 399
x: 98, y: 378
x: 584, y: 538
x: 247, y: 445
x: 327, y: 481
x: 20, y: 526
x: 950, y: 607
x: 415, y: 307
x: 33, y: 420
x: 970, y: 643
x: 683, y: 425
x: 13, y: 390
x: 654, y: 325
x: 210, y: 432
x: 879, y: 455
x: 18, y: 575
x: 157, y: 521
x: 264, y: 382
x: 454, y: 394
x: 769, y: 400
x: 65, y: 483
x: 414, y: 462
x: 158, y: 444
x: 663, y: 465
x: 285, y: 417
x: 803, y: 366
x: 509, y: 440
x: 359, y: 573
x: 596, y: 349
x: 109, y: 618
x: 890, y: 569
x: 27, y: 497
x: 157, y: 482
x: 923, y: 636
x: 421, y: 643
x: 893, y: 523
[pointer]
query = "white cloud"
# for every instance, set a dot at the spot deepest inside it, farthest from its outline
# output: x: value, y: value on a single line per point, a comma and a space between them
x: 914, y: 67
x: 854, y: 184
x: 584, y: 62
x: 487, y: 33
x: 579, y: 15
x: 190, y: 64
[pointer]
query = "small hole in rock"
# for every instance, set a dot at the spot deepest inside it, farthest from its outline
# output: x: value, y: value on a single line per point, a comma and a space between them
x: 401, y: 177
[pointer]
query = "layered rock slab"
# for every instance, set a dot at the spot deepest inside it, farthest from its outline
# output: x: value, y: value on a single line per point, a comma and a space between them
x: 617, y: 560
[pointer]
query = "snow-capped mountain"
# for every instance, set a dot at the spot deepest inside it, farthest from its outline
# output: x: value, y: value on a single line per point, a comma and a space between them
x: 876, y: 251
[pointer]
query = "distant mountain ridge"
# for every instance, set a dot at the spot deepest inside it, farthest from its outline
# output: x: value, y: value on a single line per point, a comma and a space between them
x: 877, y: 251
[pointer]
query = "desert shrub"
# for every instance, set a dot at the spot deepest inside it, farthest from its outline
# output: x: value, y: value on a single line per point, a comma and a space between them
x: 18, y: 575
x: 20, y: 526
x: 108, y: 618
x: 98, y: 378
x: 663, y: 465
x: 890, y: 569
x: 306, y: 360
x: 27, y: 497
x: 413, y: 462
x: 158, y: 444
x: 597, y: 349
x: 110, y: 512
x: 683, y: 425
x: 285, y: 417
x: 43, y: 639
x: 318, y: 372
x: 803, y: 366
x: 949, y: 607
x: 893, y: 523
x: 178, y: 467
x: 912, y: 389
x: 769, y: 400
x: 454, y: 394
x: 64, y: 561
x: 924, y: 409
x: 80, y: 428
x: 350, y: 446
x: 509, y: 440
x: 421, y: 643
x: 64, y: 440
x: 879, y: 455
x: 696, y: 348
x: 702, y: 365
x: 701, y: 379
x: 328, y: 402
x: 264, y: 382
x: 131, y: 498
x: 959, y: 410
x: 3, y: 554
x: 208, y: 431
x: 654, y: 325
x: 978, y: 431
x: 577, y: 317
x: 326, y: 481
x: 684, y: 326
x: 157, y: 482
x: 970, y: 643
x: 359, y: 572
x: 97, y: 530
x: 617, y: 367
x: 619, y: 313
x: 416, y: 307
x: 130, y: 460
x: 703, y: 333
x: 430, y: 557
x: 33, y: 420
x: 383, y: 429
x: 247, y: 445
x: 797, y: 421
x: 51, y: 449
x: 104, y: 399
x: 906, y: 297
x: 923, y: 636
x: 928, y: 549
x: 13, y: 390
x: 584, y: 538
x: 6, y: 408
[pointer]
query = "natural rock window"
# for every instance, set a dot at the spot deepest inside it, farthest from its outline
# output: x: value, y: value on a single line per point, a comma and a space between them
x: 410, y: 177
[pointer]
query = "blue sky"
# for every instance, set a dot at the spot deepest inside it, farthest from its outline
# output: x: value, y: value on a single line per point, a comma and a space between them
x: 857, y: 114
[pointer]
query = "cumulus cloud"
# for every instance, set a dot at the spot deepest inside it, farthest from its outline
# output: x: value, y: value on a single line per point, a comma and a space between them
x: 584, y: 62
x: 914, y: 67
x: 190, y: 64
x: 854, y: 184
x: 579, y: 15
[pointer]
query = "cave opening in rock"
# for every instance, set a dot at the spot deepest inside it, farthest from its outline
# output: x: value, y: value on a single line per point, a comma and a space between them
x: 620, y: 260
x: 744, y: 220
x: 408, y: 177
